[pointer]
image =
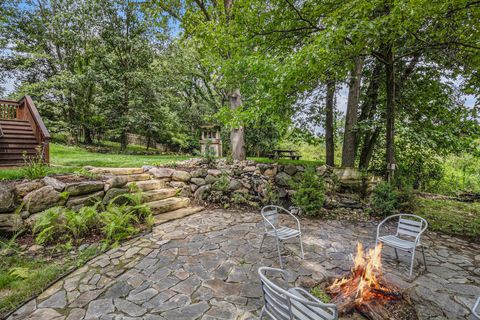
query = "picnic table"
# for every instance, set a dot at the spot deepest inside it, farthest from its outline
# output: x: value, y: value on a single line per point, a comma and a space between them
x: 279, y: 153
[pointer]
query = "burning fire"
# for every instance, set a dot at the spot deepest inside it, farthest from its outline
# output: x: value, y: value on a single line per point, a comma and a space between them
x: 363, y: 283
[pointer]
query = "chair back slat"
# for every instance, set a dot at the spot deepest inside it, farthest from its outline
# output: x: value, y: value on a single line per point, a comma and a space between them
x: 276, y: 303
x: 303, y: 311
x: 271, y: 214
x: 292, y: 304
x: 409, y: 227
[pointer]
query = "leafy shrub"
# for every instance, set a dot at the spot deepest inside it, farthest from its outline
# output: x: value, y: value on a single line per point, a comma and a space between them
x: 270, y: 195
x: 80, y: 223
x: 222, y: 183
x: 208, y: 157
x: 50, y: 226
x: 387, y: 200
x: 34, y: 167
x: 118, y: 223
x: 384, y: 199
x: 310, y: 192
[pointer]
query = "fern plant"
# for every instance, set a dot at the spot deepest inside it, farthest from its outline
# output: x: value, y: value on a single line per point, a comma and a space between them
x: 82, y: 222
x: 118, y: 223
x: 49, y: 226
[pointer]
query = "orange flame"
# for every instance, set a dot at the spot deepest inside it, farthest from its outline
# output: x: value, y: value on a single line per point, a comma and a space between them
x: 363, y: 281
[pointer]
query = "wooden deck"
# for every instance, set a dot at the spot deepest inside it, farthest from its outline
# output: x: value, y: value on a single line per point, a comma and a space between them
x: 22, y: 133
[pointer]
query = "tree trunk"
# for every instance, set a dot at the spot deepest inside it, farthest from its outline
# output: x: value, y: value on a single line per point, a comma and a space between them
x: 348, y: 151
x: 87, y: 135
x: 367, y: 148
x: 329, y: 121
x: 237, y: 135
x: 390, y: 113
x: 367, y: 114
x: 123, y: 141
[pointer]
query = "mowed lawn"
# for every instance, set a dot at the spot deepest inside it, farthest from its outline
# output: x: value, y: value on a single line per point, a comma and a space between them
x: 64, y: 159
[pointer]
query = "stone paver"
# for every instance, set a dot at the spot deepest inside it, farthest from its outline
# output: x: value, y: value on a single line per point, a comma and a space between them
x: 205, y: 267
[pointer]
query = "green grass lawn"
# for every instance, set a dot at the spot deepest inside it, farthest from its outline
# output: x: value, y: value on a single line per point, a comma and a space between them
x: 23, y: 276
x: 66, y: 159
x: 451, y: 217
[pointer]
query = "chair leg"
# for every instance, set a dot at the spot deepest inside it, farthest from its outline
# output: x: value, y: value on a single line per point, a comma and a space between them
x: 411, y: 263
x: 396, y: 253
x: 261, y: 245
x: 301, y: 246
x: 262, y: 313
x: 279, y: 253
x: 424, y: 260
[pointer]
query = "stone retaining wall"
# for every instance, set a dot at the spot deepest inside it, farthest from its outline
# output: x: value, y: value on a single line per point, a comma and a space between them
x: 249, y: 182
x: 22, y: 201
x: 245, y: 182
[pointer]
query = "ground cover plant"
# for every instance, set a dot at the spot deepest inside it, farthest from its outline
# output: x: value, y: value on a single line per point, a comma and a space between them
x: 451, y: 217
x: 24, y: 274
x: 65, y: 240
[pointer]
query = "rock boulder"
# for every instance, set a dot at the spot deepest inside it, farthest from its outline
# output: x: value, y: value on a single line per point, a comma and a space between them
x: 181, y: 176
x: 41, y: 199
x: 84, y: 187
x: 7, y: 200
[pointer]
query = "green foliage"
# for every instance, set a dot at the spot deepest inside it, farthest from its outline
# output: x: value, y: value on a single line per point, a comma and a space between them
x: 20, y: 272
x: 222, y: 183
x: 50, y: 225
x: 80, y: 223
x: 119, y: 221
x: 34, y: 167
x: 270, y: 195
x: 386, y: 199
x: 116, y: 222
x: 320, y: 294
x: 451, y: 217
x: 460, y: 174
x: 22, y: 276
x: 208, y: 157
x: 86, y: 173
x: 309, y: 192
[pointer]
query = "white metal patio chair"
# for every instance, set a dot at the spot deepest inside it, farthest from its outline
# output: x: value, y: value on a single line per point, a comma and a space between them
x: 280, y: 233
x: 407, y: 237
x: 281, y: 303
x: 476, y: 309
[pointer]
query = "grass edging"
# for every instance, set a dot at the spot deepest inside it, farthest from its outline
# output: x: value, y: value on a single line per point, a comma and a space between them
x: 67, y: 273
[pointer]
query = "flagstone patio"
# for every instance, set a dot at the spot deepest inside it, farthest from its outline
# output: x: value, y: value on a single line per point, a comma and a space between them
x: 205, y: 267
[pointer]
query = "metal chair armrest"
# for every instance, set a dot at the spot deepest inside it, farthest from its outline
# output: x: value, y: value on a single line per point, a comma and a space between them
x: 476, y: 306
x: 417, y: 238
x: 296, y: 219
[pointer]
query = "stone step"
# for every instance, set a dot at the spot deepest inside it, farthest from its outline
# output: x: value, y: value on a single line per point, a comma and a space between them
x: 116, y: 171
x: 137, y: 177
x: 148, y: 184
x: 176, y: 214
x: 159, y: 194
x: 169, y: 204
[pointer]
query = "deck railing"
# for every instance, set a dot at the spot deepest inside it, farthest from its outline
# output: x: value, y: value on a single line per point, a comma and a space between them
x: 8, y: 109
x: 25, y: 110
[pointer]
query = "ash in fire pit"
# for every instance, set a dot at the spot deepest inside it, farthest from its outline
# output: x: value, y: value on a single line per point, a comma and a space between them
x: 365, y: 291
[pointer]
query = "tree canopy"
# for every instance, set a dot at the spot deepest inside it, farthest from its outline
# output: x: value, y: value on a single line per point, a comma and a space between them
x: 263, y: 69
